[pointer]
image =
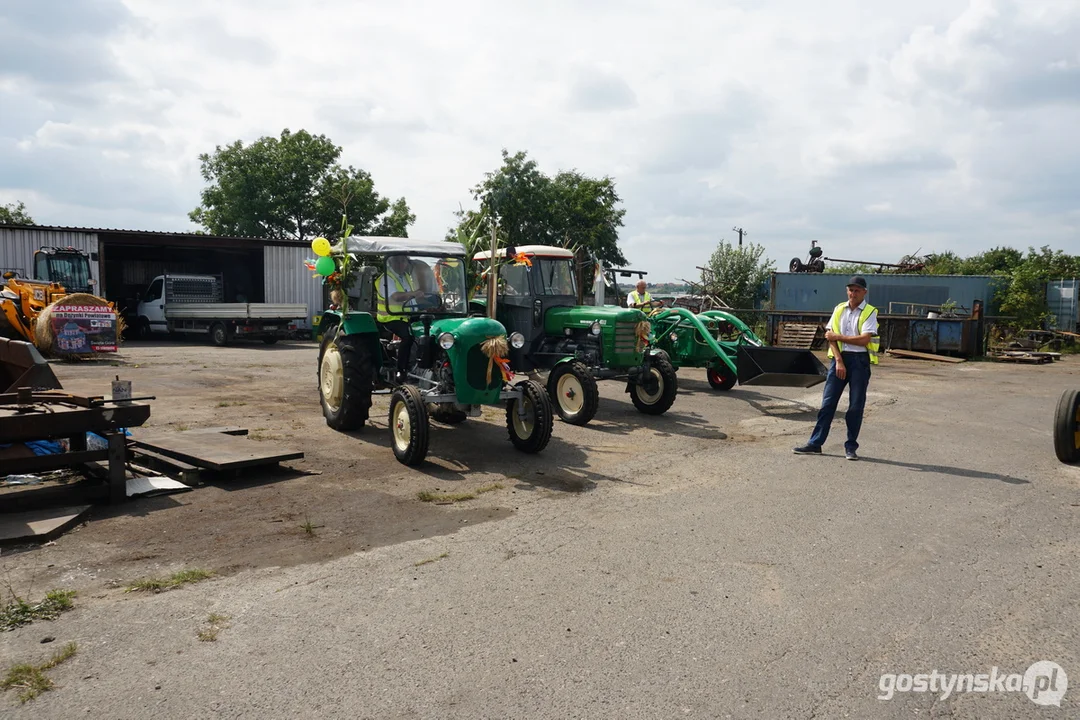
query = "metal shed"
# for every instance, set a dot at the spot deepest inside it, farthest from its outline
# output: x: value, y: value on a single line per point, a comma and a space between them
x: 1063, y: 297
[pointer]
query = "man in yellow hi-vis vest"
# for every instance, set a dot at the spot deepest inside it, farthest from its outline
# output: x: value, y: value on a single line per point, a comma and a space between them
x: 853, y: 347
x: 398, y: 290
x: 639, y: 298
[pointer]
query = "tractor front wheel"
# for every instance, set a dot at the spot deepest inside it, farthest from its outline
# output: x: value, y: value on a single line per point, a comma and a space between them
x: 720, y: 379
x: 1067, y: 427
x: 655, y: 393
x: 530, y: 430
x: 345, y: 381
x: 573, y: 392
x: 409, y: 426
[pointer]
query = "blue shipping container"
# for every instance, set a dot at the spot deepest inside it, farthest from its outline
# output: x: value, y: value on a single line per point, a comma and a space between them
x: 821, y: 292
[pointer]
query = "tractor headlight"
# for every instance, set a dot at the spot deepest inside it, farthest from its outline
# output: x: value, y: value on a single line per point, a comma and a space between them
x: 446, y: 341
x: 674, y: 337
x: 595, y: 328
x: 517, y: 340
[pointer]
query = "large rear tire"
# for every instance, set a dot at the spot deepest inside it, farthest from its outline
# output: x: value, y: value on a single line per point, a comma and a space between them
x: 1067, y: 427
x: 721, y: 379
x: 573, y: 392
x: 531, y: 431
x: 346, y: 377
x: 660, y: 399
x: 410, y: 430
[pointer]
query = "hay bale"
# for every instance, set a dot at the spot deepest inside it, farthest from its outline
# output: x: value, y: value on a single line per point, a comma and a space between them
x: 45, y: 339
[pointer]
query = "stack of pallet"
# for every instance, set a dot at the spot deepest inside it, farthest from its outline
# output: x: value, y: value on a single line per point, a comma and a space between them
x: 798, y: 335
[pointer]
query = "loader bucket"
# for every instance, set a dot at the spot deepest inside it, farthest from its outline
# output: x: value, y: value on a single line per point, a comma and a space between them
x: 21, y: 365
x: 779, y: 367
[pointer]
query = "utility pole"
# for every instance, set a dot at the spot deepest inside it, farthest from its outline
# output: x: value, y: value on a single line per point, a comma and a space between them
x: 741, y: 233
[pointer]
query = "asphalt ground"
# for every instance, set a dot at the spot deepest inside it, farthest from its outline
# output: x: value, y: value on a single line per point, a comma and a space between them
x: 687, y: 565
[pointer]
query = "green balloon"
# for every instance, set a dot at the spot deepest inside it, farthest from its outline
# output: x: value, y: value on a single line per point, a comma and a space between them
x: 325, y: 266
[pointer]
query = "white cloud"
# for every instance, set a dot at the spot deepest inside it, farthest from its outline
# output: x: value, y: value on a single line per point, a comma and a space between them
x: 873, y: 128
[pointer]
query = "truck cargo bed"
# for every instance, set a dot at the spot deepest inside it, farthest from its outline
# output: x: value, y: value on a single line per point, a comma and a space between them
x: 236, y: 311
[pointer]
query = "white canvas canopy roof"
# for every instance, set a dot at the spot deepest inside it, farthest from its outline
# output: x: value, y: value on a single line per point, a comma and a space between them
x: 376, y: 245
x: 532, y: 250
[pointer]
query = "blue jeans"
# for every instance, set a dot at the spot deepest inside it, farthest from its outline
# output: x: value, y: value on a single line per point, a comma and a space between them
x: 857, y: 380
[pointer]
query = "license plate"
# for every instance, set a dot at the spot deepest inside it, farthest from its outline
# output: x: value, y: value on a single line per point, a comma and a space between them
x: 269, y: 327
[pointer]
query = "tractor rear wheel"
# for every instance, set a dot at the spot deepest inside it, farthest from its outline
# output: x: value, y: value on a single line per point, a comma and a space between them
x: 1067, y: 427
x: 409, y: 426
x: 573, y: 392
x: 530, y: 431
x: 662, y: 384
x: 345, y: 381
x: 720, y: 379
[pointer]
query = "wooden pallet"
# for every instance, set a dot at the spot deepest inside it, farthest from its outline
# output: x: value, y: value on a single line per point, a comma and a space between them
x: 1032, y: 358
x: 797, y: 335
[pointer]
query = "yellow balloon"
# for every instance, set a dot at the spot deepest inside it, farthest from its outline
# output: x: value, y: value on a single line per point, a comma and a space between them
x: 320, y: 246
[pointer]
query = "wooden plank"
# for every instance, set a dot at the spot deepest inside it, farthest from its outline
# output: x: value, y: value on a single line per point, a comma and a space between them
x: 223, y: 430
x: 189, y: 474
x: 924, y: 356
x: 41, y: 463
x: 217, y: 452
x: 38, y: 524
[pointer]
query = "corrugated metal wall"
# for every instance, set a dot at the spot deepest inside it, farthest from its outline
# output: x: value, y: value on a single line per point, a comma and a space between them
x: 1063, y: 297
x: 17, y: 246
x: 821, y: 292
x: 288, y: 281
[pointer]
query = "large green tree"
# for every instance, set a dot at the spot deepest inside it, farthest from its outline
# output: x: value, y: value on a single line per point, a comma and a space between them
x: 15, y: 214
x: 739, y: 274
x: 570, y: 210
x: 292, y: 187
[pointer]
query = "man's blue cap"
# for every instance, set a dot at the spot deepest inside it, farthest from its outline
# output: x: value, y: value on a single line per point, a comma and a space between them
x: 857, y: 280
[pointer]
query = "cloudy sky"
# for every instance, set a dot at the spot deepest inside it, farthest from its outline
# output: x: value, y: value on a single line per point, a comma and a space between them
x: 877, y: 128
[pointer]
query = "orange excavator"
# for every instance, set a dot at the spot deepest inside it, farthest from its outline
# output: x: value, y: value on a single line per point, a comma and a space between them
x: 55, y: 312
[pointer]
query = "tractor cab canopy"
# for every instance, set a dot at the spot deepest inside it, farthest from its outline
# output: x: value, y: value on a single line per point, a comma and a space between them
x: 534, y: 270
x: 417, y: 277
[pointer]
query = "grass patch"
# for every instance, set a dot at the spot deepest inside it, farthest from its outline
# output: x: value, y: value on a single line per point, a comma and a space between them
x: 431, y: 560
x: 184, y: 577
x: 309, y: 528
x: 30, y: 680
x: 18, y: 612
x: 231, y: 403
x: 181, y: 427
x: 214, y: 624
x: 429, y: 496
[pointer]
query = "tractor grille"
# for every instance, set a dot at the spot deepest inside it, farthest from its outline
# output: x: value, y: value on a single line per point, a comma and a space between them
x: 477, y: 363
x: 626, y: 342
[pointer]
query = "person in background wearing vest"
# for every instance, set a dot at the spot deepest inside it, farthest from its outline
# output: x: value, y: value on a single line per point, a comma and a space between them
x: 398, y: 290
x: 639, y: 298
x: 853, y: 347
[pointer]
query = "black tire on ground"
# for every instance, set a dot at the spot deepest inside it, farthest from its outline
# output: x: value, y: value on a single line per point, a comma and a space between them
x: 659, y: 401
x: 721, y: 379
x: 346, y: 378
x: 1067, y: 427
x: 270, y: 340
x: 573, y: 392
x: 409, y: 427
x: 448, y: 417
x: 795, y: 265
x: 532, y: 432
x: 142, y: 329
x: 219, y: 336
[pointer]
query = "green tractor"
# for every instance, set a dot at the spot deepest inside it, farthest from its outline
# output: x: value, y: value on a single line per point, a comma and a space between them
x: 537, y: 298
x: 455, y: 365
x: 730, y: 352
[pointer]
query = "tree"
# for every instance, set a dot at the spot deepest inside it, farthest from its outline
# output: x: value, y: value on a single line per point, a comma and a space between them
x: 740, y: 274
x: 292, y: 188
x: 569, y: 210
x: 15, y: 214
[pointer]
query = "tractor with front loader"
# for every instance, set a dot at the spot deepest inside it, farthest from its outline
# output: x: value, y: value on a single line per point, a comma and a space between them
x: 730, y: 352
x: 576, y: 344
x: 456, y: 364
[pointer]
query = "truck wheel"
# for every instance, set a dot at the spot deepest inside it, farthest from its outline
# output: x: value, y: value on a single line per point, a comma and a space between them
x: 1067, y: 427
x: 142, y: 329
x: 270, y: 340
x: 721, y: 379
x: 409, y: 428
x: 665, y: 385
x: 530, y: 431
x: 573, y: 392
x: 219, y: 336
x: 345, y: 382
